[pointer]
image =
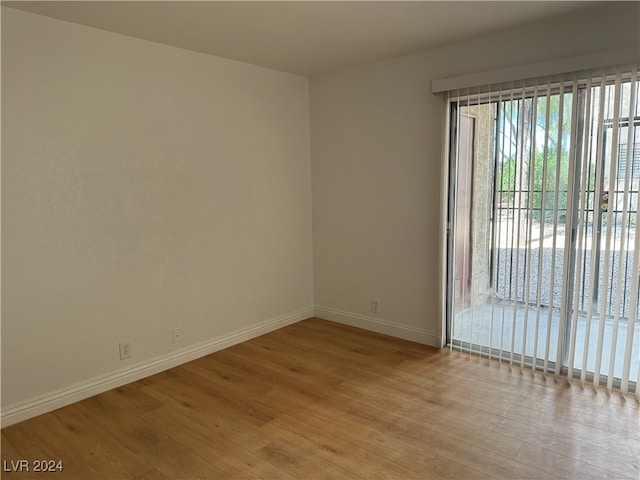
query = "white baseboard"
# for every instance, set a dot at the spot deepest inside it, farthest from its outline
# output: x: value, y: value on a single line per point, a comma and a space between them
x: 65, y: 396
x: 377, y: 325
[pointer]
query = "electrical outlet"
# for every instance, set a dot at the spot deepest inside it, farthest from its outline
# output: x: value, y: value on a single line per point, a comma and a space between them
x: 125, y: 350
x: 177, y: 335
x: 375, y: 305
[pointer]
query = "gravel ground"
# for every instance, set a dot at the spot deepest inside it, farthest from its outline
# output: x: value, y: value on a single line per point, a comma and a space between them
x: 515, y: 266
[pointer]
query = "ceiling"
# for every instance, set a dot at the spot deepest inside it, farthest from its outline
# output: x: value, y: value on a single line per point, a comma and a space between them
x: 306, y: 38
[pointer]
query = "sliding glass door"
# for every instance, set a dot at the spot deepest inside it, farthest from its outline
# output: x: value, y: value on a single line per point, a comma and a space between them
x: 543, y: 269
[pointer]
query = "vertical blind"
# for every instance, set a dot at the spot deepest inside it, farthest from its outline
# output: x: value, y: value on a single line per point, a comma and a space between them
x: 543, y: 246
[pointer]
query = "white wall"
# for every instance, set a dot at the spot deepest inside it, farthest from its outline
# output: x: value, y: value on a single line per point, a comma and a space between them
x: 143, y: 187
x: 376, y: 149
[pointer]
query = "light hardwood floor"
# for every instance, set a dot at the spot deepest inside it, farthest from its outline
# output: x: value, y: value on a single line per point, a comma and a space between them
x: 322, y: 400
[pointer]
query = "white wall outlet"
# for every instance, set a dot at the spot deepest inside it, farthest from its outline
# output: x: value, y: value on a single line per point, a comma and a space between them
x: 177, y: 335
x: 375, y: 305
x: 126, y: 350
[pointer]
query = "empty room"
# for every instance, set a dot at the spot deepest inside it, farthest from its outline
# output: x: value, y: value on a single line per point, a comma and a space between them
x: 324, y: 239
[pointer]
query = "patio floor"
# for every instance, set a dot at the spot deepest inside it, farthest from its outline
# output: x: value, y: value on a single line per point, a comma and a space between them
x: 473, y: 326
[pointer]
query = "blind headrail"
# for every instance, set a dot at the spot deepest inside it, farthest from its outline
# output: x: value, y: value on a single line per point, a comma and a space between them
x: 537, y: 70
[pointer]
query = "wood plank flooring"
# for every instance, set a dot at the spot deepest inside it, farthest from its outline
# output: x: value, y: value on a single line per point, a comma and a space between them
x: 318, y: 400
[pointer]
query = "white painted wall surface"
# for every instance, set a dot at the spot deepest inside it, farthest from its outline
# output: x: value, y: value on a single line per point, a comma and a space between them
x: 376, y: 150
x: 143, y: 187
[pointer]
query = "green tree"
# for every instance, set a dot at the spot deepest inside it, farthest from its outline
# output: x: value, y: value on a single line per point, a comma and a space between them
x: 544, y: 185
x: 507, y: 180
x: 549, y: 174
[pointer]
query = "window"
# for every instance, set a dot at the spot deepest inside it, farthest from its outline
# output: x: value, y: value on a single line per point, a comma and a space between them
x: 543, y: 251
